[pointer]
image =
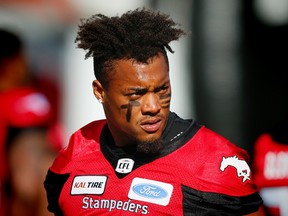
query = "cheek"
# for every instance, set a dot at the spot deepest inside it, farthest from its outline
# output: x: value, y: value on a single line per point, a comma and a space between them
x: 119, y: 108
x: 128, y: 109
x: 112, y: 110
x: 165, y: 100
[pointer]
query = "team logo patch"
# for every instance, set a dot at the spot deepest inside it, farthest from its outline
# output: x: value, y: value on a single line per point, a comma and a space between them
x: 124, y: 165
x: 91, y: 184
x: 150, y: 191
x: 242, y: 168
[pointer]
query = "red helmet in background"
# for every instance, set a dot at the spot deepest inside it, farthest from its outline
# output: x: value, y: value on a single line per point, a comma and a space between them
x: 25, y: 108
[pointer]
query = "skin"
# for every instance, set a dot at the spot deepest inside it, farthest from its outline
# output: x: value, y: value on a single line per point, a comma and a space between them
x: 137, y: 101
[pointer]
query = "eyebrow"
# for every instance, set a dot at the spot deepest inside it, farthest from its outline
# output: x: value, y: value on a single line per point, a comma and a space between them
x: 140, y: 90
x: 165, y: 85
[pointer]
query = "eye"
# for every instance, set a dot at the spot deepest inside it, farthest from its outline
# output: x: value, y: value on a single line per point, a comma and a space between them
x: 134, y: 95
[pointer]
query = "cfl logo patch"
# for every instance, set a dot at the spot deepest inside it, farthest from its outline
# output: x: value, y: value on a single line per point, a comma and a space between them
x: 124, y: 165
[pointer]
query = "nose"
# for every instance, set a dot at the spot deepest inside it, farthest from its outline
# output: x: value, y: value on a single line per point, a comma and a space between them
x: 151, y: 104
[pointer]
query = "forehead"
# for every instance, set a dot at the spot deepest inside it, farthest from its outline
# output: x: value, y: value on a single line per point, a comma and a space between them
x: 130, y: 70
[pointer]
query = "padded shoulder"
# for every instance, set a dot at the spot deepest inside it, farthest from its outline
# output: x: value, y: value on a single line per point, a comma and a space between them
x: 82, y: 142
x: 216, y: 165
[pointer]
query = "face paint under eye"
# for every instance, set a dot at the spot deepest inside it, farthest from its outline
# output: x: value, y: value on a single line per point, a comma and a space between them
x: 165, y: 100
x: 165, y: 96
x: 129, y: 107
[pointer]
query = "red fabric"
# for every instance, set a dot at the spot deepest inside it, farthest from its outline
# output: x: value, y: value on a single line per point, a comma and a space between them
x: 196, y: 165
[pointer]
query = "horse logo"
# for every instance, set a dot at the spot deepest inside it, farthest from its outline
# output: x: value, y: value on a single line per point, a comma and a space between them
x: 242, y: 168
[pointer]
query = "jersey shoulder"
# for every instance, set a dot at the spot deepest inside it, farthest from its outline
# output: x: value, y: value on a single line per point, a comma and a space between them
x: 210, y: 140
x: 81, y: 143
x: 218, y: 165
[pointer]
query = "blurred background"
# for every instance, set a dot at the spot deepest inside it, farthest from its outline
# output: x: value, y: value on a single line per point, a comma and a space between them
x: 230, y: 74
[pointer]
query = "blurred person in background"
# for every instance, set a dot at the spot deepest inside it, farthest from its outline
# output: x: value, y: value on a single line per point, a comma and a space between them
x: 144, y: 159
x: 28, y: 139
x: 270, y: 164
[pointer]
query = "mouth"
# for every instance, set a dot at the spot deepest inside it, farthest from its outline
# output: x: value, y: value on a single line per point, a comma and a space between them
x: 151, y: 125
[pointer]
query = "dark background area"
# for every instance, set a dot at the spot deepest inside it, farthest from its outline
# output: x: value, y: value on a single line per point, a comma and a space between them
x: 263, y: 68
x: 265, y: 72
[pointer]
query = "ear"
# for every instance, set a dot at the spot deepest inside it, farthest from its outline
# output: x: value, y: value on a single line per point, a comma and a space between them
x: 98, y: 90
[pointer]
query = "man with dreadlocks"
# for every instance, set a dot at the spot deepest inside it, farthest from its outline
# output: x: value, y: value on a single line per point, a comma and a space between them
x: 143, y: 159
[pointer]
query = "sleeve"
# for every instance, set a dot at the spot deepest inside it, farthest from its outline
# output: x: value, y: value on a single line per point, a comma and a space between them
x: 53, y: 185
x: 222, y: 167
x: 222, y: 180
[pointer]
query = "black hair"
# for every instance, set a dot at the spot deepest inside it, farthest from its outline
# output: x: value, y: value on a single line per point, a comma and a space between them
x: 139, y: 35
x: 10, y: 44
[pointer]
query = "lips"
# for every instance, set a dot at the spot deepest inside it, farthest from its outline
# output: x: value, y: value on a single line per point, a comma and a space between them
x: 151, y: 125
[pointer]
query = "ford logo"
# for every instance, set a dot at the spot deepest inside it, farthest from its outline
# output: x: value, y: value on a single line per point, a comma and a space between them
x: 149, y: 191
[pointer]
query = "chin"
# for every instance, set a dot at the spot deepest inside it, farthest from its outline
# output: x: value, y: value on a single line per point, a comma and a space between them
x: 150, y: 147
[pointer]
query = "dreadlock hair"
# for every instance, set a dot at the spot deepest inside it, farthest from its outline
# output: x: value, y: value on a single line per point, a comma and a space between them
x: 138, y: 35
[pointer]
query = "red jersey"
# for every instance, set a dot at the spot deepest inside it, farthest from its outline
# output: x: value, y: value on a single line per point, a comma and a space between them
x: 270, y: 162
x: 204, y: 174
x: 271, y: 173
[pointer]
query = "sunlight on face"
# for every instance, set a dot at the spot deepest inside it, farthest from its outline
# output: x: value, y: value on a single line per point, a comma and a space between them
x: 137, y: 101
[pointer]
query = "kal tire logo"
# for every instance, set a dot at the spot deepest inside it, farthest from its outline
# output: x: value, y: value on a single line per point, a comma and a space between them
x: 88, y: 185
x: 150, y: 191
